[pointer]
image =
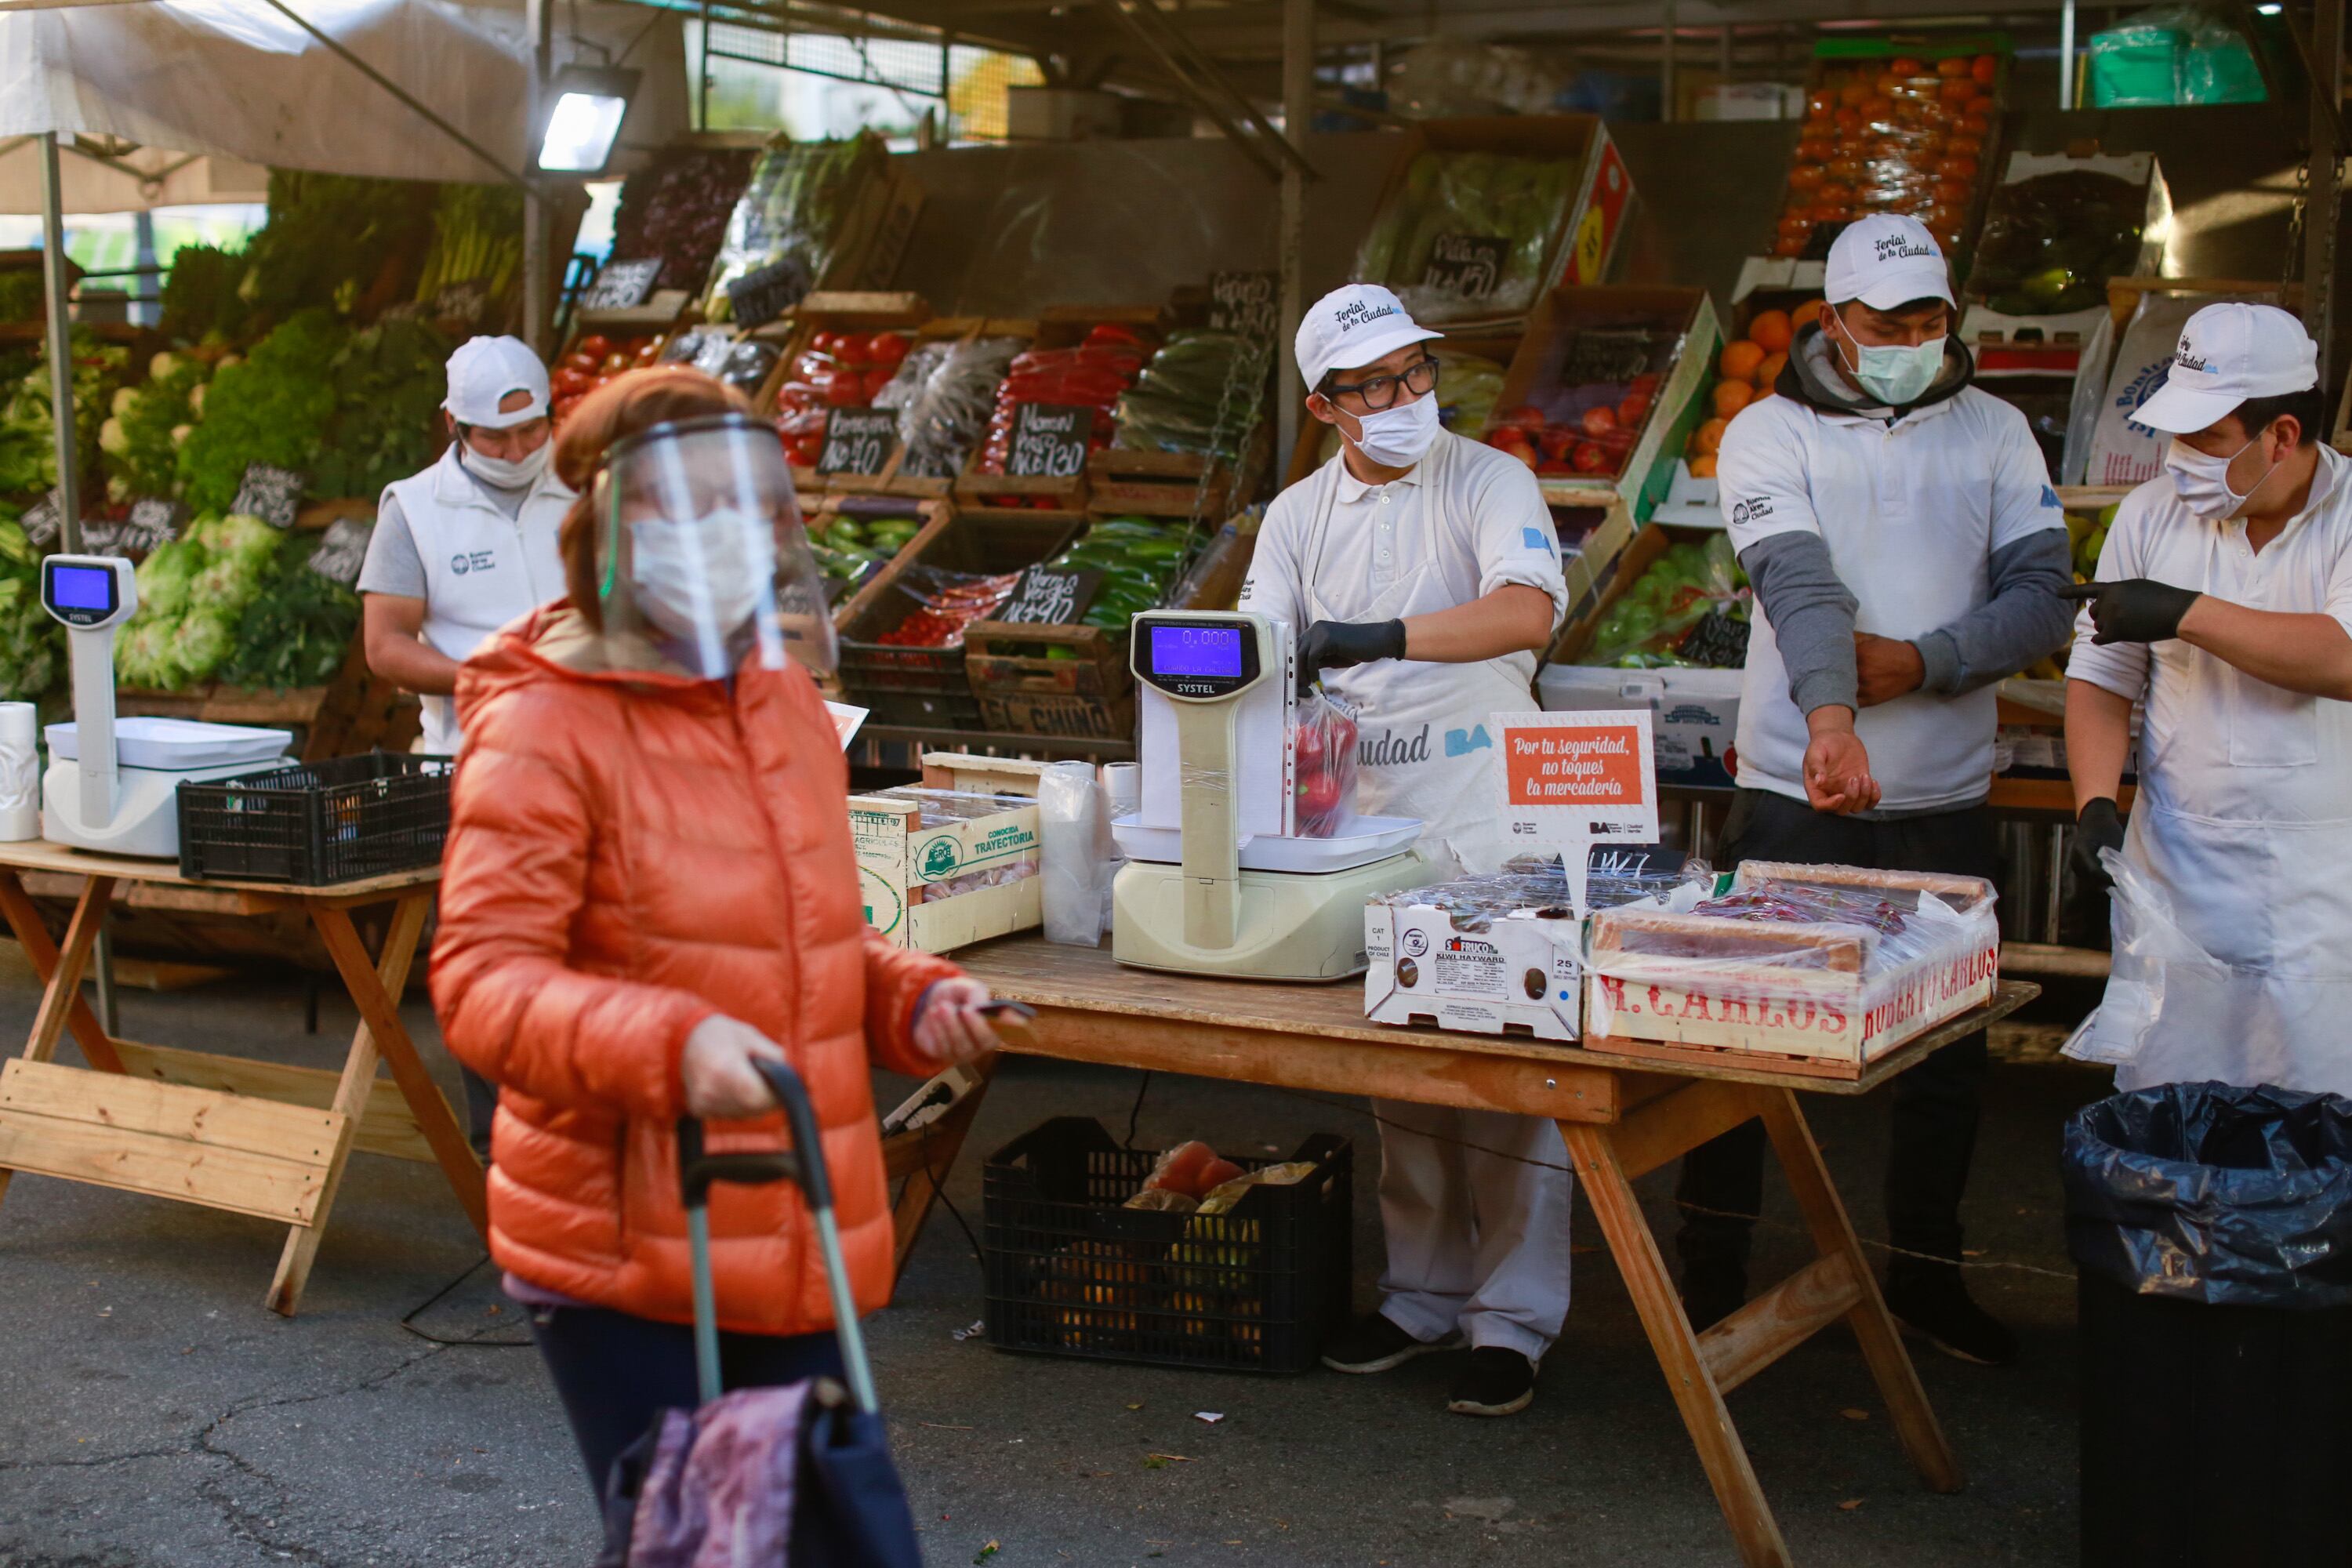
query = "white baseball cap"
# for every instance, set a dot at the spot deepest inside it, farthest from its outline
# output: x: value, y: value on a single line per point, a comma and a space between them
x: 2228, y: 353
x: 1885, y: 260
x: 1351, y: 327
x: 484, y: 372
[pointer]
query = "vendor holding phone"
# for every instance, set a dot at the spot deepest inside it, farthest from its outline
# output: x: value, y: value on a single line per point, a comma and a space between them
x: 2223, y: 604
x: 1423, y: 573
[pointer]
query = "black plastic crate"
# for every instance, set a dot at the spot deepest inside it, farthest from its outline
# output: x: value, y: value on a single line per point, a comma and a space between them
x: 318, y: 823
x: 1072, y: 1272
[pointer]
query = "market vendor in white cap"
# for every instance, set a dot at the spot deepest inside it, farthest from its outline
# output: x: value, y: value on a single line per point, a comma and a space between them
x: 468, y: 544
x: 1420, y: 571
x: 2222, y: 604
x: 462, y: 548
x: 1908, y: 552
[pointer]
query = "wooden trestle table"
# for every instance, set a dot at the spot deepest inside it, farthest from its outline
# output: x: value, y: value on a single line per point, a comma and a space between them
x: 229, y: 1132
x: 1619, y: 1116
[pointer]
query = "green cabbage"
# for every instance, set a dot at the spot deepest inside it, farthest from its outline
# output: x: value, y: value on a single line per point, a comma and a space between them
x: 164, y: 576
x: 228, y: 580
x: 202, y: 638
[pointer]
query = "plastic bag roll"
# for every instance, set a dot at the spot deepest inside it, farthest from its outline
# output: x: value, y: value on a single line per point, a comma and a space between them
x: 1069, y: 833
x: 1122, y: 796
x: 20, y: 773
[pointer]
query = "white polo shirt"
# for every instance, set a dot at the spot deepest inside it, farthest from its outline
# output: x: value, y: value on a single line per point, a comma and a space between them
x: 2218, y: 743
x: 1912, y: 513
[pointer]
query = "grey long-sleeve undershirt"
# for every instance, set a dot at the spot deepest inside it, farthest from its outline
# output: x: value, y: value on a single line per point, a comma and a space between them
x: 1812, y: 614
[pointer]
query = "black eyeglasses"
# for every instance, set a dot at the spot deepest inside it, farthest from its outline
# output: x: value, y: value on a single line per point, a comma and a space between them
x: 1379, y: 391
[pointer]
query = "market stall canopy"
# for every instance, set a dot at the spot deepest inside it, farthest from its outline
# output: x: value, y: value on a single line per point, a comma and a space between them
x: 241, y: 80
x: 100, y: 176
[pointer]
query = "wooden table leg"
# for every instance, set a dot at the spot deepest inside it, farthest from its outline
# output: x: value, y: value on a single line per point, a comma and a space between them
x: 1720, y: 1450
x: 373, y: 986
x: 1882, y: 1345
x: 930, y: 1155
x: 24, y: 924
x: 62, y: 995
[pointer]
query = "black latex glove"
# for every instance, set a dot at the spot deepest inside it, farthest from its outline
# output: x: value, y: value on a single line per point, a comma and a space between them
x: 2098, y: 827
x: 1334, y: 645
x: 2136, y: 609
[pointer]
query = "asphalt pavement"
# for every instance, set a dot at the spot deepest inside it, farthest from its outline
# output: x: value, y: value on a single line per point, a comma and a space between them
x: 154, y: 1415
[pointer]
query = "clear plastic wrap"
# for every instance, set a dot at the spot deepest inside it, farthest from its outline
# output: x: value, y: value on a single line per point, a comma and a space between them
x: 1323, y: 762
x: 947, y: 601
x: 1070, y: 836
x: 1825, y: 961
x: 2158, y: 972
x: 1091, y: 375
x: 1539, y: 883
x: 1690, y: 609
x: 2050, y: 243
x: 791, y: 212
x: 1415, y: 244
x: 944, y: 393
x: 950, y: 804
x: 1905, y: 134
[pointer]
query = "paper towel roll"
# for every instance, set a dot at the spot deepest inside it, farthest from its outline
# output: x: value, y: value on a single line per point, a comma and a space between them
x: 20, y: 772
x: 1123, y: 784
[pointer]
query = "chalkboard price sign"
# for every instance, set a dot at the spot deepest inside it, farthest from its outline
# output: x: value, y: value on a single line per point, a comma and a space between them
x: 343, y: 551
x: 273, y: 495
x: 621, y: 285
x: 1049, y: 596
x: 44, y: 521
x: 1245, y: 302
x: 153, y: 520
x: 858, y: 441
x: 760, y: 297
x: 1466, y: 266
x: 464, y: 301
x: 1049, y: 440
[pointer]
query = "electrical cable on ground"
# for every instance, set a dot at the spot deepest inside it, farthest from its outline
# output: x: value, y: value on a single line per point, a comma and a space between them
x: 409, y: 1319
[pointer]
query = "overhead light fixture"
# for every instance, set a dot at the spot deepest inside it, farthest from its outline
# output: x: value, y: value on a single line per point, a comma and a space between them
x: 586, y: 106
x: 2268, y: 10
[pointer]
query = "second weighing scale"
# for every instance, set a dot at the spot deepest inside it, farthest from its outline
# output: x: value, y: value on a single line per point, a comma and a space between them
x: 1218, y: 881
x: 113, y: 784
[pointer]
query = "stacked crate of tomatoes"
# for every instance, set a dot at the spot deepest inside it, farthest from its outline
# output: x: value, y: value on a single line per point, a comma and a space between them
x: 595, y: 359
x: 1902, y: 133
x: 833, y: 369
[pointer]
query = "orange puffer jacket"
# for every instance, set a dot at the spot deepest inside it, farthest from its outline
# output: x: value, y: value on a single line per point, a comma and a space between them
x: 629, y: 855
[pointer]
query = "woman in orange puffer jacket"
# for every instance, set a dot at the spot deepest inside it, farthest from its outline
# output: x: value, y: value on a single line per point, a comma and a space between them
x: 648, y: 882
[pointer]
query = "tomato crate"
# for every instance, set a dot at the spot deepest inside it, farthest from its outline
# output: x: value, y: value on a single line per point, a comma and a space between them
x: 1068, y: 681
x: 1072, y: 1272
x: 874, y: 672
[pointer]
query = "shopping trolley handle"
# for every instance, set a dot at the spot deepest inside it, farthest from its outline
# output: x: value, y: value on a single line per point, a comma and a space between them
x: 804, y: 1162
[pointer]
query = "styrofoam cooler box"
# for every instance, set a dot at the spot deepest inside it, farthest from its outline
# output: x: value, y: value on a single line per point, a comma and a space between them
x: 1694, y: 713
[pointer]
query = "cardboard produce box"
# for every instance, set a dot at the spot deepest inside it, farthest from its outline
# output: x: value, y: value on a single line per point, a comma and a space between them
x: 953, y: 861
x: 1905, y: 952
x: 1635, y: 357
x: 2060, y: 226
x: 1438, y: 252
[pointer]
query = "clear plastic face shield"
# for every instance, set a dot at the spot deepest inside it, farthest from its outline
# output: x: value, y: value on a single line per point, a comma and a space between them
x: 705, y: 561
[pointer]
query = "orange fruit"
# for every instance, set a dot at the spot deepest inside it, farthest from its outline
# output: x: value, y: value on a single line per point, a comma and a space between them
x: 1954, y: 66
x: 1769, y: 373
x: 1805, y: 315
x: 1740, y: 359
x: 1731, y: 396
x: 1703, y: 468
x: 1708, y: 438
x: 1984, y: 68
x: 1769, y: 330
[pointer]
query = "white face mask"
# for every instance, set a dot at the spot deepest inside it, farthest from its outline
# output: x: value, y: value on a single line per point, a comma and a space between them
x: 2202, y: 480
x: 507, y: 474
x: 1398, y: 437
x: 701, y: 583
x: 1893, y: 375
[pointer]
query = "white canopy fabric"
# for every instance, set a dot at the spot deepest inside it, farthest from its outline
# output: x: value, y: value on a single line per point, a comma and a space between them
x: 238, y: 80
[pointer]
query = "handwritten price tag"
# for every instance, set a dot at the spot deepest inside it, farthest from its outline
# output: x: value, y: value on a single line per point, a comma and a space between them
x: 858, y: 441
x: 1466, y: 266
x: 273, y: 495
x: 1049, y: 596
x: 621, y: 285
x: 1049, y: 440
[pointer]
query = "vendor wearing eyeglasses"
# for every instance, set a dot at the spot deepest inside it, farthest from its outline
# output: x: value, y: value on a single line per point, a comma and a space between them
x: 1423, y: 572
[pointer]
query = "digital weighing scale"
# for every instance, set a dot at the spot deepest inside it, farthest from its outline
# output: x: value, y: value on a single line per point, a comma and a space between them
x: 114, y: 786
x: 1218, y: 881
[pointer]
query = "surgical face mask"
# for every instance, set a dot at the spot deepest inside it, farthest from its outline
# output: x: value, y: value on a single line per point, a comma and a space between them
x: 509, y: 473
x: 701, y: 582
x: 2202, y: 480
x: 1398, y: 437
x: 1893, y: 375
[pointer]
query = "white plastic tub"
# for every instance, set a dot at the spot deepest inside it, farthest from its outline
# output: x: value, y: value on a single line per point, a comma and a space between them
x: 1368, y: 838
x: 177, y: 746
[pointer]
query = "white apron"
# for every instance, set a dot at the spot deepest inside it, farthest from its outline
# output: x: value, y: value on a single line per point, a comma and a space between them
x: 1425, y: 745
x: 2243, y: 824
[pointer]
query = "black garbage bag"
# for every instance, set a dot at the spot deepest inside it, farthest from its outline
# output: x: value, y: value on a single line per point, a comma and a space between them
x: 2215, y: 1193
